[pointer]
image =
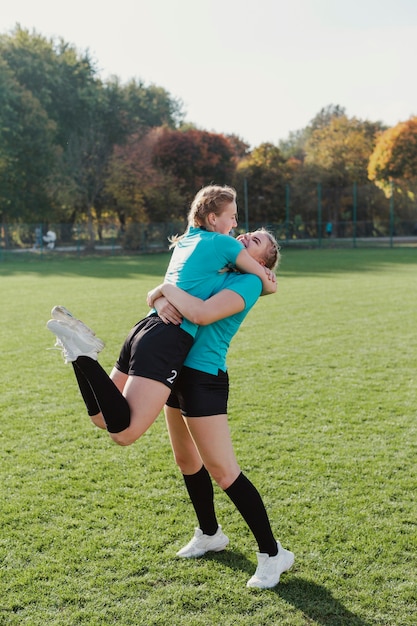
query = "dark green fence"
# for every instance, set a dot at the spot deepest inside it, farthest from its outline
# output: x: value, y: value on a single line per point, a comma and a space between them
x: 351, y: 216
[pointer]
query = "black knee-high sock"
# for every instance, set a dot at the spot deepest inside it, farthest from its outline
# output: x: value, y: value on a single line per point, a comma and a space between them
x: 249, y: 503
x: 200, y: 490
x: 113, y: 405
x: 86, y: 391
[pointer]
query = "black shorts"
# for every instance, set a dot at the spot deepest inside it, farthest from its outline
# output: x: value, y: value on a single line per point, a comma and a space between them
x: 155, y: 350
x: 198, y: 394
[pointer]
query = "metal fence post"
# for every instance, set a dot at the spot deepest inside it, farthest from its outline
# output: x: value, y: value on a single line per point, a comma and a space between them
x: 354, y: 212
x: 391, y: 216
x: 319, y: 225
x: 287, y: 211
x: 245, y: 198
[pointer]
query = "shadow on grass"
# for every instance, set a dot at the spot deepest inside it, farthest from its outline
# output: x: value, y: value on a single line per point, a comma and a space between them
x: 315, y: 601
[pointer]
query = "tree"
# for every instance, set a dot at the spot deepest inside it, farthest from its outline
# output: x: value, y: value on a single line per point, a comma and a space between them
x: 337, y: 155
x: 326, y: 115
x: 84, y: 117
x: 393, y: 168
x: 265, y: 172
x: 27, y: 151
x: 294, y: 145
x: 194, y: 158
x: 239, y: 146
x: 395, y: 156
x: 149, y: 107
x: 139, y: 191
x: 340, y: 151
x: 61, y: 83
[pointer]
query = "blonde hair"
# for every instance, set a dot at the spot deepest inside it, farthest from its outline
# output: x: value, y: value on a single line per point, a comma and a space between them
x: 273, y: 255
x: 210, y: 199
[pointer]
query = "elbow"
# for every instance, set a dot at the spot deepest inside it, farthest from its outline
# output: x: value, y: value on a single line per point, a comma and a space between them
x: 269, y: 288
x: 196, y: 315
x: 202, y: 321
x: 199, y: 319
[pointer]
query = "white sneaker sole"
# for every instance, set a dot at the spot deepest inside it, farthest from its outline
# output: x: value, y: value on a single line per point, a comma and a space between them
x: 195, y: 554
x: 286, y: 561
x: 85, y: 342
x: 62, y: 314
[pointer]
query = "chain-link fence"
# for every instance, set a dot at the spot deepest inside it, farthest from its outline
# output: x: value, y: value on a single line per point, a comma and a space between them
x: 151, y: 238
x: 100, y: 237
x: 315, y: 217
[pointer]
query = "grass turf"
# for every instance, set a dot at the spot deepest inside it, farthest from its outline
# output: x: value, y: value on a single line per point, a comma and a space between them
x: 322, y: 412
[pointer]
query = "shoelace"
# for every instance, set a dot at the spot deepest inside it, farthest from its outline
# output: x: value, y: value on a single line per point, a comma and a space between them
x: 58, y: 345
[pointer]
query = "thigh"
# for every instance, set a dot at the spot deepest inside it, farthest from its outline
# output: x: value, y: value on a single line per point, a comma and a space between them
x: 211, y: 435
x: 119, y: 378
x: 146, y: 399
x: 185, y: 451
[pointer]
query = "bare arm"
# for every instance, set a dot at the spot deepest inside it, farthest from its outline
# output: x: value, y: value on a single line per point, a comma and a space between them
x: 197, y: 311
x: 245, y: 263
x: 167, y: 312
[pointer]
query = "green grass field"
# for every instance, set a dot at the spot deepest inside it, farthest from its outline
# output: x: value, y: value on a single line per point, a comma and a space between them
x: 323, y: 416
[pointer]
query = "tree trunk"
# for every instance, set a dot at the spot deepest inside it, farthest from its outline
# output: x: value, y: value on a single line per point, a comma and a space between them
x: 90, y: 244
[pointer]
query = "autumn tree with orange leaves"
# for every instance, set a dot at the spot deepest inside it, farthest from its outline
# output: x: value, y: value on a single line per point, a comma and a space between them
x: 394, y: 159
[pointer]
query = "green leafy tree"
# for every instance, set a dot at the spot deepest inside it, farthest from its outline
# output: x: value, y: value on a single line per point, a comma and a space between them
x: 85, y: 119
x: 265, y: 171
x: 340, y: 151
x: 27, y: 151
x: 294, y: 145
x: 149, y: 106
x: 337, y: 155
x: 62, y: 83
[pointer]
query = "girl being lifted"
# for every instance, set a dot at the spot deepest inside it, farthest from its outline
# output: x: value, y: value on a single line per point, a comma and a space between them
x: 130, y: 399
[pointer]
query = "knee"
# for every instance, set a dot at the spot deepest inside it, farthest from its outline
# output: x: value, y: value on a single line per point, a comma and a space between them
x: 98, y: 421
x: 187, y: 465
x: 224, y: 481
x: 122, y: 438
x: 224, y: 476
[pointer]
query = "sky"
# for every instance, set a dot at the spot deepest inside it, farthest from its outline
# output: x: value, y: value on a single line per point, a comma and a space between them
x: 259, y: 69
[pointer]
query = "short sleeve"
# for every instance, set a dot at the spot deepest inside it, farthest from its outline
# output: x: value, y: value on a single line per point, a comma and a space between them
x: 248, y: 286
x: 228, y: 248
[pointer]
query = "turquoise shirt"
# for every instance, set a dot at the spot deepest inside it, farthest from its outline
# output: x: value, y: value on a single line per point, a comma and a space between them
x: 196, y: 262
x: 211, y: 343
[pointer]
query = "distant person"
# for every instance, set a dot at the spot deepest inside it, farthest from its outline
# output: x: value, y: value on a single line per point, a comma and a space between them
x: 38, y: 237
x: 329, y: 229
x: 50, y: 239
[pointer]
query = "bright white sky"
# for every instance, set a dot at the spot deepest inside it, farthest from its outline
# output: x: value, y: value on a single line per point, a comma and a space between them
x: 256, y: 68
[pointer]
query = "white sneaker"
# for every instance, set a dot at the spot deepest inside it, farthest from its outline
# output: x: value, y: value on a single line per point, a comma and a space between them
x: 270, y: 568
x: 200, y: 544
x: 74, y: 342
x: 62, y: 314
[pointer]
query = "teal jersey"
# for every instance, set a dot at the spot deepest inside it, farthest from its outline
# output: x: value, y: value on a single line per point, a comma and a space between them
x: 196, y: 262
x: 211, y: 343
